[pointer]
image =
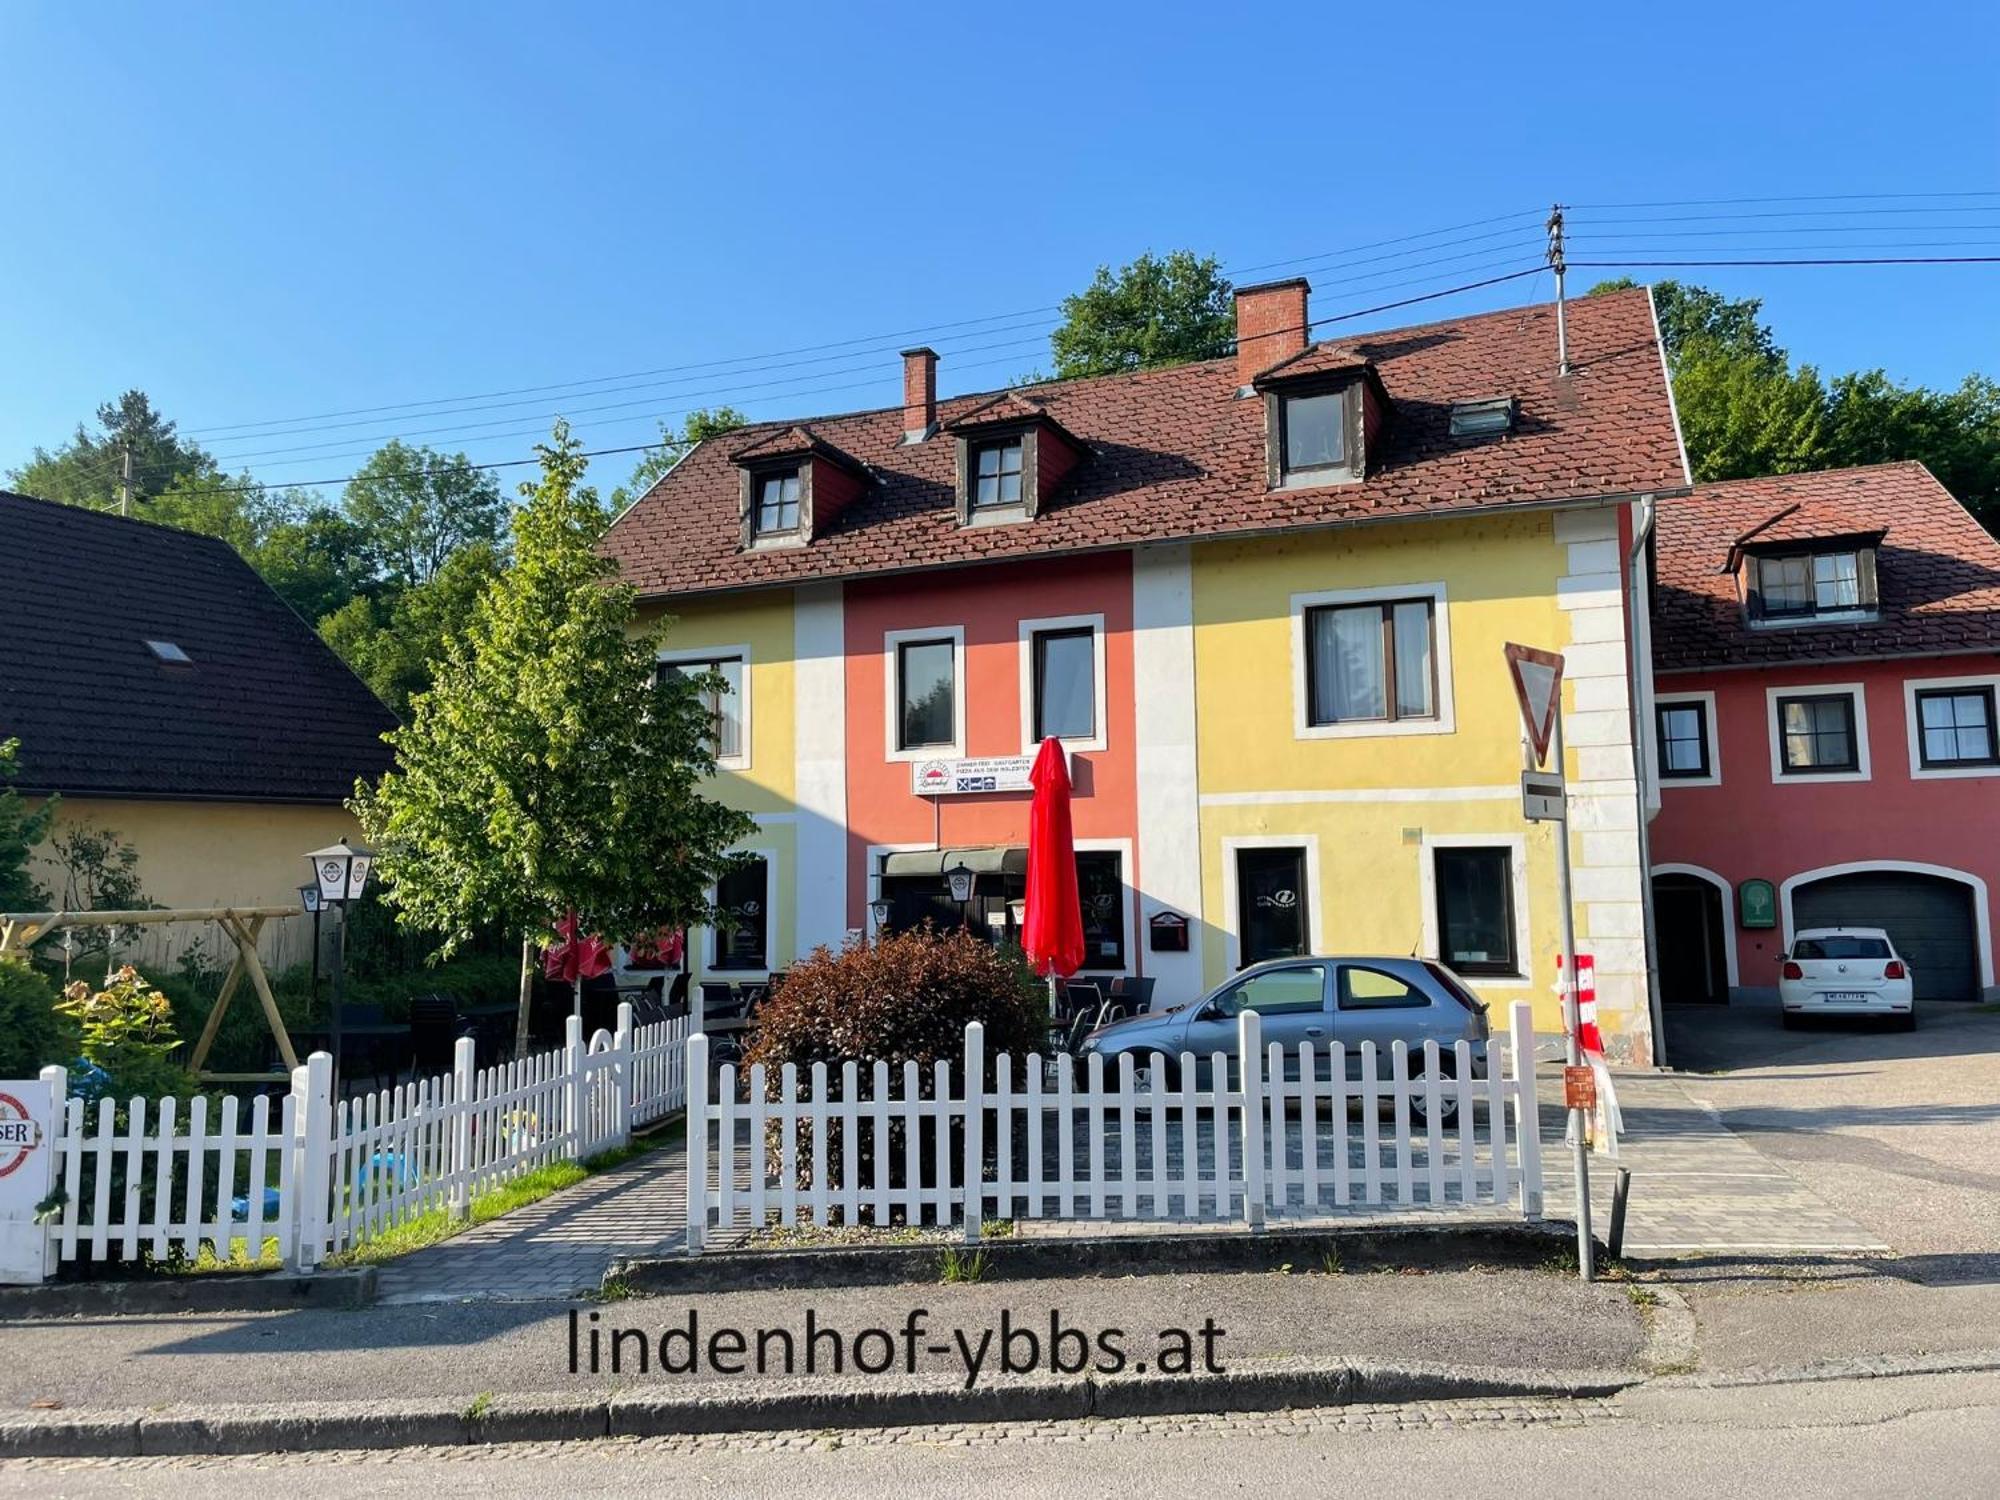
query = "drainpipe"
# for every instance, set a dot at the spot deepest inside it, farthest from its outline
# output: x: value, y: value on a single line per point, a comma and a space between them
x: 1639, y: 653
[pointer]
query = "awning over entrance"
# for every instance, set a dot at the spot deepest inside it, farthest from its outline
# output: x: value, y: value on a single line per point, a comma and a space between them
x: 992, y: 859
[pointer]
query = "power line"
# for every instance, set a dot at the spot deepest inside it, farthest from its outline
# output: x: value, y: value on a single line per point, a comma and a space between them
x: 1851, y: 260
x: 1807, y: 198
x: 906, y: 333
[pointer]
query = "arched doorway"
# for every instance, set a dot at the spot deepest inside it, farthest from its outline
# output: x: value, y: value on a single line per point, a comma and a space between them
x: 1692, y: 928
x: 1930, y: 918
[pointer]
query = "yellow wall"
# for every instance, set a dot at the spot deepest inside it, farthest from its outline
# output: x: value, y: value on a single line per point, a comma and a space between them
x: 762, y: 623
x: 210, y: 854
x: 1365, y: 805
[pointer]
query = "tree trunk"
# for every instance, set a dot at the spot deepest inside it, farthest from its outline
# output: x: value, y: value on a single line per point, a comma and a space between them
x: 527, y: 996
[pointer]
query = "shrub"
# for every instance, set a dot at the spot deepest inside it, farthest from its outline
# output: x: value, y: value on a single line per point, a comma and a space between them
x: 128, y: 1032
x: 908, y: 996
x: 32, y: 1035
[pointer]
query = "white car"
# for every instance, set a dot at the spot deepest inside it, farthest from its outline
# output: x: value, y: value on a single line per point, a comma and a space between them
x: 1846, y: 971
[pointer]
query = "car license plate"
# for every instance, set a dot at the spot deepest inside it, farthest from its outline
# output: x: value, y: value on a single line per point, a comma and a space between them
x: 1842, y: 997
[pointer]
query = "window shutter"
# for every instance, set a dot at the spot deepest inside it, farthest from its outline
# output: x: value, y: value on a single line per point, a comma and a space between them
x: 1753, y: 595
x: 1864, y: 569
x: 746, y: 506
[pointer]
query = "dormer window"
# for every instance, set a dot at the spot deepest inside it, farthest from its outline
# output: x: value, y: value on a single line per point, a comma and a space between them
x: 996, y: 474
x: 778, y: 503
x: 1834, y: 584
x: 1314, y: 432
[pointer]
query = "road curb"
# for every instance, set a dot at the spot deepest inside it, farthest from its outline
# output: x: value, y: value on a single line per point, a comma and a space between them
x: 1508, y: 1242
x: 296, y: 1427
x: 269, y: 1292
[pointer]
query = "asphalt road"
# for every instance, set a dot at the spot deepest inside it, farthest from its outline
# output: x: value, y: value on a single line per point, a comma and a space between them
x: 455, y: 1351
x: 1933, y: 1436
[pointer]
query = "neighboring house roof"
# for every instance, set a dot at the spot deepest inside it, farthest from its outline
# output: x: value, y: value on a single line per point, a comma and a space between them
x: 1937, y: 570
x: 1177, y: 453
x: 262, y: 710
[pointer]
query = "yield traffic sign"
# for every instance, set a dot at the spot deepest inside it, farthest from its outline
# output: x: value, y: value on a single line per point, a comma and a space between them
x: 1537, y: 678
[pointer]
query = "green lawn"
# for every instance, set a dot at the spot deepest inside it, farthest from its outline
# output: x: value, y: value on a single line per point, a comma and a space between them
x: 438, y: 1225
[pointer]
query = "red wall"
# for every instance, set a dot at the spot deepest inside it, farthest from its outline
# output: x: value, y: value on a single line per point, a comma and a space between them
x: 1752, y: 828
x: 989, y: 603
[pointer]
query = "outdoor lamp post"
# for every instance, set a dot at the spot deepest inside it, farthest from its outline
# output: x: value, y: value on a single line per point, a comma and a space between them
x: 879, y: 909
x: 960, y: 878
x: 309, y: 901
x: 340, y: 873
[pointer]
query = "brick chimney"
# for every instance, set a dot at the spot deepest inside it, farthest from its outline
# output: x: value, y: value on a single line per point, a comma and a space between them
x: 1270, y: 325
x: 919, y: 394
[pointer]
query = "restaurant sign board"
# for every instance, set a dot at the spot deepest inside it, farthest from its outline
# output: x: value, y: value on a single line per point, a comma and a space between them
x: 959, y: 778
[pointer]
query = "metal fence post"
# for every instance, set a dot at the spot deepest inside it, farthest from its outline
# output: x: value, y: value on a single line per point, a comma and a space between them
x: 312, y: 1166
x: 1249, y: 1052
x: 624, y: 1047
x: 1527, y: 1111
x: 573, y: 1127
x: 697, y: 1142
x: 973, y: 1090
x: 464, y: 1076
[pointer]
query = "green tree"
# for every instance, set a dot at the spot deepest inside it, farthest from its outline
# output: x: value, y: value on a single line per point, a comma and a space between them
x: 1159, y: 310
x: 673, y: 447
x: 21, y: 829
x: 391, y: 640
x: 415, y: 507
x: 86, y: 469
x: 1692, y: 315
x: 551, y: 766
x: 1743, y: 416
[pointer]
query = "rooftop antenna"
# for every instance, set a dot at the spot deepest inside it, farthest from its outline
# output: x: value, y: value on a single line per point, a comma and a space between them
x: 1556, y: 264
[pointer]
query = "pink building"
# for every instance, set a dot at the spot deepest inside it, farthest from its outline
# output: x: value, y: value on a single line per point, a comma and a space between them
x: 1826, y: 657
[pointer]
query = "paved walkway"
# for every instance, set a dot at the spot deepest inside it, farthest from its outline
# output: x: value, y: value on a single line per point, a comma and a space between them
x: 1697, y: 1186
x: 558, y: 1246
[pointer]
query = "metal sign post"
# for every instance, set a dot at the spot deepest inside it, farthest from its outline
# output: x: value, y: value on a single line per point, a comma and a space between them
x: 1537, y: 679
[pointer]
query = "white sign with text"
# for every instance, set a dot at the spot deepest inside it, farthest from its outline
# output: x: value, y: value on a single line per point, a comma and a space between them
x: 27, y: 1176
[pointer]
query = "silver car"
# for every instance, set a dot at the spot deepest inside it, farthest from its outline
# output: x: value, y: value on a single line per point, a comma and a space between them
x: 1319, y: 1000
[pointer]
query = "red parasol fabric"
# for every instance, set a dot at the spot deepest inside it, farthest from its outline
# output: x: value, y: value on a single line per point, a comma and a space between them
x: 575, y: 957
x: 1052, y: 935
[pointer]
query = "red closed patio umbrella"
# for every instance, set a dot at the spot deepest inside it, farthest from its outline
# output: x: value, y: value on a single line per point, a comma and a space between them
x: 1052, y: 934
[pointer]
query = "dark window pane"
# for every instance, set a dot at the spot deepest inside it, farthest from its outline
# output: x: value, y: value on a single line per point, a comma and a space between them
x: 778, y: 504
x: 926, y: 673
x: 996, y: 474
x: 1786, y: 585
x: 1100, y: 892
x: 743, y: 897
x: 1313, y: 438
x: 1840, y: 947
x: 1475, y: 897
x: 1065, y: 684
x: 1957, y: 727
x: 725, y: 709
x: 1818, y: 733
x: 1271, y: 899
x: 1683, y: 740
x: 1836, y: 581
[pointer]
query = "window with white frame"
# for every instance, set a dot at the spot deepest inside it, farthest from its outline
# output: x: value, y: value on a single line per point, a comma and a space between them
x: 926, y: 694
x: 722, y: 692
x: 1475, y: 909
x: 1371, y: 661
x: 1816, y: 734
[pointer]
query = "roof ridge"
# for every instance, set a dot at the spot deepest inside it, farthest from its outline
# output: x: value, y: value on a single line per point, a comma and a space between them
x: 1810, y: 474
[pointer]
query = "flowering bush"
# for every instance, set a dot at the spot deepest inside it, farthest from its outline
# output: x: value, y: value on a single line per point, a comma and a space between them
x: 128, y: 1033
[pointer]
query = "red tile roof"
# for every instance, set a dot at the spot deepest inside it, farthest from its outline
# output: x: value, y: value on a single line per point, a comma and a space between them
x: 1937, y: 570
x: 1175, y: 453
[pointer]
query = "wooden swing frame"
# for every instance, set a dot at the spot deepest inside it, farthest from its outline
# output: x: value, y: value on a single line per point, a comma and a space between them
x: 20, y: 931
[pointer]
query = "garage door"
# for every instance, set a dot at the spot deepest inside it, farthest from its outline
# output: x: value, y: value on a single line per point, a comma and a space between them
x: 1929, y: 919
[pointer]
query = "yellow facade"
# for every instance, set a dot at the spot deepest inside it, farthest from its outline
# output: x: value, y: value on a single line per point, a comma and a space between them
x: 758, y: 628
x: 209, y: 854
x: 1369, y: 806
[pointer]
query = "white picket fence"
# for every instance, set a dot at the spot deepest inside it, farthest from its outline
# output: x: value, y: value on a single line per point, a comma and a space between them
x: 1268, y: 1133
x: 319, y: 1179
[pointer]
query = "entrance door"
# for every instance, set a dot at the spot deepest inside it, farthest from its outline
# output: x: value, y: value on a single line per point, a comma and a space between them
x: 1928, y: 918
x: 1271, y: 903
x: 1687, y: 916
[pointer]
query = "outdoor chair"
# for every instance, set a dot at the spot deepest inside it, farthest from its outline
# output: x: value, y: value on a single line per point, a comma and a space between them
x: 677, y: 997
x: 1084, y: 998
x: 1137, y: 993
x: 719, y: 1002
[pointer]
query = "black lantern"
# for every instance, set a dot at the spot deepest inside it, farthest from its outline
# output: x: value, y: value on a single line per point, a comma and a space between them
x: 960, y: 878
x: 340, y: 874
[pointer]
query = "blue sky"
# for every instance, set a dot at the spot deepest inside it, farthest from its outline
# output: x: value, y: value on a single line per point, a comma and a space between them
x: 269, y: 212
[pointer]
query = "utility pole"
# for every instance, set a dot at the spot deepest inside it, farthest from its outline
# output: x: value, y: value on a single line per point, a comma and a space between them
x: 125, y: 480
x: 1556, y: 264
